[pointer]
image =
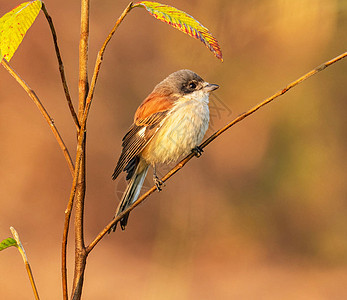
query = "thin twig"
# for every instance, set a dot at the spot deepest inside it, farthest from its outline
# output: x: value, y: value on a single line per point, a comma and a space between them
x: 32, y: 282
x: 43, y: 111
x: 26, y: 262
x: 83, y: 85
x: 182, y: 163
x: 61, y: 67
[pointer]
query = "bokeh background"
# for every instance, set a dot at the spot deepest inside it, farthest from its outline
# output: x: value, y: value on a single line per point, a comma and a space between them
x: 261, y: 215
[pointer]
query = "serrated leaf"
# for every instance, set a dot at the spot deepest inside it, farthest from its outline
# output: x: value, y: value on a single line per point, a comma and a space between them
x: 183, y: 22
x: 7, y: 243
x: 15, y: 24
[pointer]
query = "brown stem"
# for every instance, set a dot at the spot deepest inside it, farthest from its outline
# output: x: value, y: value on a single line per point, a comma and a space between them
x: 182, y: 163
x: 66, y: 226
x: 32, y: 281
x: 83, y: 58
x: 61, y: 67
x: 80, y: 253
x: 43, y: 111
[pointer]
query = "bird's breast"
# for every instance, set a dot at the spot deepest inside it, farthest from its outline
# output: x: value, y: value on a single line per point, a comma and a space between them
x: 182, y: 130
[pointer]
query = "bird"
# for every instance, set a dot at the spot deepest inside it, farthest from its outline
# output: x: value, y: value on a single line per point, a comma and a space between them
x: 170, y: 123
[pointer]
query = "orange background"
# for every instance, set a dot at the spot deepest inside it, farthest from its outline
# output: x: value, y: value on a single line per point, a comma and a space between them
x: 261, y: 215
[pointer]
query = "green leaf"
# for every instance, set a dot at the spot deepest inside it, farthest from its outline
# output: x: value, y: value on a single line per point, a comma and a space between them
x: 7, y: 243
x: 15, y: 24
x: 183, y: 22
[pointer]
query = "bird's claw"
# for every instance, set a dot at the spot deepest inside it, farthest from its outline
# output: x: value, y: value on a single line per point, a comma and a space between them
x: 113, y: 227
x: 158, y: 183
x: 197, y: 151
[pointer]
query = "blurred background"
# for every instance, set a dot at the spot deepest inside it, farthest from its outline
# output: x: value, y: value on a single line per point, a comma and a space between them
x: 261, y: 215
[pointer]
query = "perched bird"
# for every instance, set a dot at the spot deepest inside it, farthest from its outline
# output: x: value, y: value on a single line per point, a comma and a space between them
x: 168, y: 124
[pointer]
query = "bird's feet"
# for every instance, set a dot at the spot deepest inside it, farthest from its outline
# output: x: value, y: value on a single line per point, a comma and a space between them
x: 158, y: 182
x: 197, y: 151
x: 113, y: 227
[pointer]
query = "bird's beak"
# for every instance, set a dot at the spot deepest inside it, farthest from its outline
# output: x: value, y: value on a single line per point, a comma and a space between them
x: 209, y: 87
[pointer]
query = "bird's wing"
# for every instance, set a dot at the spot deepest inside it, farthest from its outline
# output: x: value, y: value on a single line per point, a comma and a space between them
x: 136, y: 139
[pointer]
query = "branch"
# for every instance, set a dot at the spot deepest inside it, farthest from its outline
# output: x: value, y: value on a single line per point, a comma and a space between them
x: 80, y: 176
x: 83, y: 58
x: 183, y: 162
x: 61, y: 67
x: 43, y: 111
x: 66, y: 228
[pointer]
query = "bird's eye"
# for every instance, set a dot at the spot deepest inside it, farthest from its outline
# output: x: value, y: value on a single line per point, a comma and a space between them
x: 192, y: 85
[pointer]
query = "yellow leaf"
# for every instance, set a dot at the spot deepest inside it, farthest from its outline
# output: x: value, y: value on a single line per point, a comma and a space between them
x: 15, y: 24
x: 183, y: 22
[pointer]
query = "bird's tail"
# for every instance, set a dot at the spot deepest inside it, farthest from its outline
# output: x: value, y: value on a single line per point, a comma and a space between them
x: 132, y: 191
